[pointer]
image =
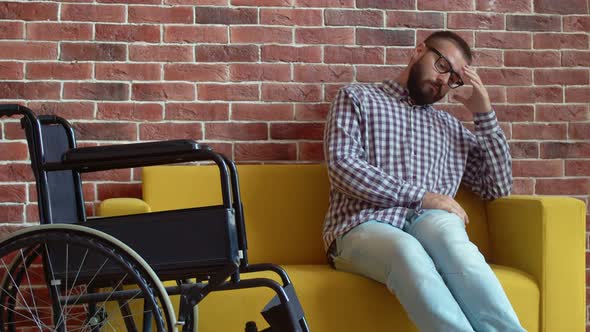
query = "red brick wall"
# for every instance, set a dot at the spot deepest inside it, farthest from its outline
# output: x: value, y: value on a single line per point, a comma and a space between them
x: 254, y: 78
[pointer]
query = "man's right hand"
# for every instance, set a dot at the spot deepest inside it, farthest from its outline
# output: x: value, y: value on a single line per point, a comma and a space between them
x: 444, y: 202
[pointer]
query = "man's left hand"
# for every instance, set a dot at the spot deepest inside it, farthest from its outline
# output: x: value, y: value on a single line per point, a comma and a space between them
x: 479, y: 102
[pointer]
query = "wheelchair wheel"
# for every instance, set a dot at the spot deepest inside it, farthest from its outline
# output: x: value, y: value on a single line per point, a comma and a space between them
x: 73, y: 278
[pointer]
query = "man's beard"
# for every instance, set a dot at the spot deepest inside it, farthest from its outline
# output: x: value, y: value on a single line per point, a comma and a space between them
x: 419, y: 93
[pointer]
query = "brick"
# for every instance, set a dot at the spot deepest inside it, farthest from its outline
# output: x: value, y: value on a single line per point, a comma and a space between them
x: 29, y: 90
x: 166, y: 131
x: 330, y: 91
x: 96, y: 91
x: 535, y: 95
x: 505, y: 76
x: 524, y: 150
x: 311, y: 151
x: 311, y: 112
x: 557, y: 150
x: 514, y: 113
x: 313, y: 131
x: 562, y: 186
x: 113, y: 190
x: 325, y: 3
x: 533, y: 23
x: 197, y: 111
x: 539, y: 131
x: 197, y: 2
x: 227, y: 53
x: 129, y: 112
x: 128, y: 33
x: 13, y: 151
x: 67, y: 110
x: 398, y: 55
x: 59, y: 31
x: 370, y: 18
x: 386, y: 4
x: 503, y: 40
x: 577, y: 168
x: 236, y: 131
x: 384, y: 37
x: 523, y: 187
x: 575, y: 59
x: 487, y: 58
x: 262, y: 112
x: 291, y: 92
x: 577, y: 95
x: 486, y: 21
x: 265, y: 151
x: 324, y: 36
x: 13, y: 193
x: 165, y: 53
x: 560, y: 41
x: 260, y: 72
x: 263, y: 3
x: 11, y: 213
x: 446, y: 5
x: 195, y: 72
x: 505, y: 6
x: 145, y: 2
x: 354, y: 55
x: 93, y: 13
x: 28, y: 11
x: 11, y: 70
x: 217, y: 15
x: 151, y: 14
x: 128, y: 71
x: 105, y: 131
x: 555, y: 113
x: 561, y: 76
x: 195, y: 34
x: 163, y: 91
x: 16, y: 173
x: 537, y: 168
x: 579, y: 131
x: 260, y: 35
x: 12, y: 30
x: 576, y: 23
x: 230, y: 92
x: 291, y: 17
x: 28, y: 51
x: 273, y: 53
x: 415, y: 20
x: 532, y: 59
x: 562, y: 6
x: 93, y: 52
x: 323, y: 73
x: 60, y: 71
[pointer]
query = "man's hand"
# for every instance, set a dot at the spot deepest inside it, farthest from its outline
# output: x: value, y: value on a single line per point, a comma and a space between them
x: 479, y: 102
x: 444, y: 202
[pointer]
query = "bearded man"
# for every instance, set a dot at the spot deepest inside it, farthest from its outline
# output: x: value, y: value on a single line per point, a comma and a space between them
x: 395, y: 163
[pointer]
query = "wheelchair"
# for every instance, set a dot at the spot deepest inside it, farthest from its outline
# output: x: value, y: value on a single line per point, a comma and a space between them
x: 73, y: 273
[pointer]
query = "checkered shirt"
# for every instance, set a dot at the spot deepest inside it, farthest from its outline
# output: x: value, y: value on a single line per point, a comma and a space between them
x: 384, y: 153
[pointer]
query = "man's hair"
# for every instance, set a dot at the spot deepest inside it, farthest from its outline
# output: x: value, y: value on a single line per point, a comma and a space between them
x: 454, y: 38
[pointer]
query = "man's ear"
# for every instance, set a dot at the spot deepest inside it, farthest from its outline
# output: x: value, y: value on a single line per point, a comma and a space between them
x: 419, y: 51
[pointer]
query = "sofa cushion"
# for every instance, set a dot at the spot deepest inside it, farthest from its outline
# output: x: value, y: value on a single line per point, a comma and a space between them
x: 333, y: 301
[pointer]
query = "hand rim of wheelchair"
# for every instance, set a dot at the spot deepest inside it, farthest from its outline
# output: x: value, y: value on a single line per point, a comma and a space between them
x: 150, y: 285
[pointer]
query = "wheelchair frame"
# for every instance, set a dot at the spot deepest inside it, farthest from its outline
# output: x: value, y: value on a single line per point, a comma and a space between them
x: 205, y: 243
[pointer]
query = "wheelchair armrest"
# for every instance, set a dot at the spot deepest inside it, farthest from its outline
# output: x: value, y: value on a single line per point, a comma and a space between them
x: 122, y: 206
x: 98, y: 158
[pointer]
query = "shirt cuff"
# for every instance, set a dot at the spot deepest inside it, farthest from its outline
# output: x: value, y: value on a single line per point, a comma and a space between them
x: 486, y: 123
x: 413, y: 196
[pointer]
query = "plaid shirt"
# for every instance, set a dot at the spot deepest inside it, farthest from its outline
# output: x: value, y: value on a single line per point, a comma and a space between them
x: 384, y: 154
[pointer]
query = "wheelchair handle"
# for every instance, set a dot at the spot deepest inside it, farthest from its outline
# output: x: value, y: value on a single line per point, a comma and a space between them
x: 15, y: 109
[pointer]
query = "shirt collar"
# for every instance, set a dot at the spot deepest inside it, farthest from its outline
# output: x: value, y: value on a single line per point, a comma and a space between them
x: 398, y: 91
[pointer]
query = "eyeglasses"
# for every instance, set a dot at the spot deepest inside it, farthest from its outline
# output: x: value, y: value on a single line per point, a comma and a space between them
x: 443, y: 66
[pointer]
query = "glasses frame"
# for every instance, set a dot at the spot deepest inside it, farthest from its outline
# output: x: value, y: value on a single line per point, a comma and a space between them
x: 460, y: 82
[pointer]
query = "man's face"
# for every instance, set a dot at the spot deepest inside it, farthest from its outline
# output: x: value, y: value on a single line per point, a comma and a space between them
x: 425, y: 83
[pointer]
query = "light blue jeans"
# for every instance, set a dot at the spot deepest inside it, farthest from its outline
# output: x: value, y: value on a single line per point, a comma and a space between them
x: 438, y: 275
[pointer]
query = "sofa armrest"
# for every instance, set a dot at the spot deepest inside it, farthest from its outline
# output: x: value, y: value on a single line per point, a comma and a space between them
x: 122, y: 206
x: 545, y: 237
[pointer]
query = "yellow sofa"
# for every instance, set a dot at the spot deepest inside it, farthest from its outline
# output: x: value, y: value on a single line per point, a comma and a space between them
x: 536, y: 246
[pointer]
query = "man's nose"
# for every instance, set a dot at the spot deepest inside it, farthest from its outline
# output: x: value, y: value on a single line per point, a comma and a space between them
x: 443, y: 77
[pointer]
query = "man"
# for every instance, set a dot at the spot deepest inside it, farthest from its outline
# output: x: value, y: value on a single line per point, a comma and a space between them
x: 395, y: 163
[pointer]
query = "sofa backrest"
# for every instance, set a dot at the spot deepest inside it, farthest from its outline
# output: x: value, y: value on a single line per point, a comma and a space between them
x: 284, y: 206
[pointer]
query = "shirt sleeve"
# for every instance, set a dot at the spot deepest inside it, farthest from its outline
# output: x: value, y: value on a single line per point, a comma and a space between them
x: 348, y: 168
x: 488, y: 171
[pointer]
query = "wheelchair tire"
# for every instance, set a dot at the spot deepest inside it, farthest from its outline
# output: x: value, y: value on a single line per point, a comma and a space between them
x: 64, y: 277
